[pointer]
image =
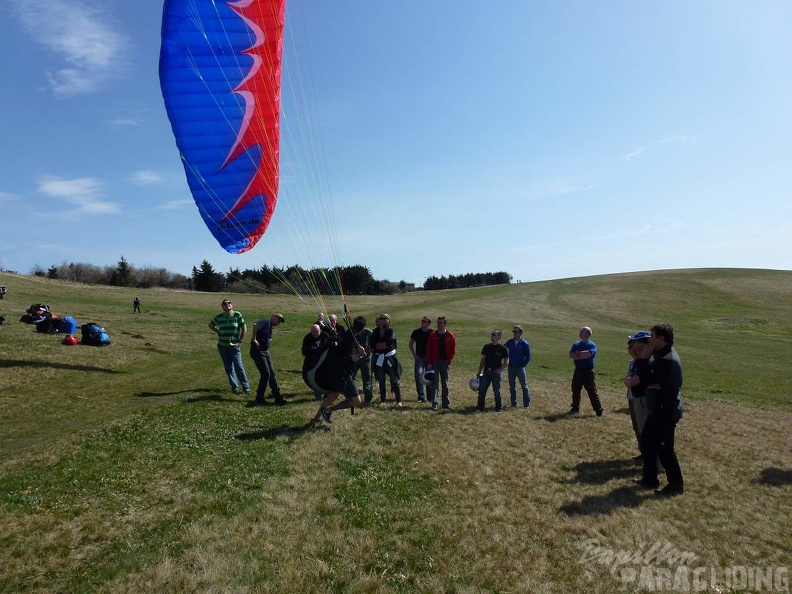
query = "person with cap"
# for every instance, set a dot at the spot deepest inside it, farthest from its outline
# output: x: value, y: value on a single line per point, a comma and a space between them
x: 136, y: 305
x: 582, y: 353
x: 384, y: 362
x: 664, y: 382
x: 519, y: 357
x: 260, y: 353
x: 229, y: 325
x: 417, y: 346
x: 639, y: 350
x: 440, y: 351
x: 494, y: 358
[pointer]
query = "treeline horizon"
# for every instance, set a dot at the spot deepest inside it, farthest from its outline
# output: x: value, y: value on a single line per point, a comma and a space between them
x: 355, y: 280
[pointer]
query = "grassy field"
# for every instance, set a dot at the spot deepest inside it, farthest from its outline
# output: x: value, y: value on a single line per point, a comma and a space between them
x: 133, y: 467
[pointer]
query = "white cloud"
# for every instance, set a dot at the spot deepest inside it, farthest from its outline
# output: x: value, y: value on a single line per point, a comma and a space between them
x: 128, y: 122
x: 173, y: 204
x: 85, y: 193
x: 146, y: 177
x: 80, y: 35
x: 7, y: 196
x: 648, y: 147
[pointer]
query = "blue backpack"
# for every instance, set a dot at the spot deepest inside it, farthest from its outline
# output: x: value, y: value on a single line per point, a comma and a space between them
x: 67, y: 325
x: 93, y: 334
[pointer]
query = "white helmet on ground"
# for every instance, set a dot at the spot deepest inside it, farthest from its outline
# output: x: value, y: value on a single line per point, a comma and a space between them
x: 427, y: 377
x: 474, y: 384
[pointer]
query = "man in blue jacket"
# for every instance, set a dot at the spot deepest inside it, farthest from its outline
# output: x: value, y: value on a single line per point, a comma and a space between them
x: 519, y: 357
x: 582, y: 354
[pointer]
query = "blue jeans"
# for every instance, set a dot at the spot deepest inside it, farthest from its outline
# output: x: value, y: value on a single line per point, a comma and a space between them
x: 232, y: 363
x: 490, y: 377
x: 518, y: 373
x: 420, y: 365
x: 440, y: 377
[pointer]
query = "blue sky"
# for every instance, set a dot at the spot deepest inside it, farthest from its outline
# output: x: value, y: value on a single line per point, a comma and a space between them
x: 546, y: 139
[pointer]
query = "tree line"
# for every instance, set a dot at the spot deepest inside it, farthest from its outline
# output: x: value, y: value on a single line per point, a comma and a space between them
x: 355, y: 280
x: 471, y: 279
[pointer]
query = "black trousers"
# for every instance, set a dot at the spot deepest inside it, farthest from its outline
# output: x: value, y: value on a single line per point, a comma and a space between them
x: 657, y: 441
x: 263, y: 361
x: 584, y: 378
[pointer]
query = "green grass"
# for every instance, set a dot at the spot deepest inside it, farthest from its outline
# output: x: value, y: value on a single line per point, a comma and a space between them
x: 133, y: 468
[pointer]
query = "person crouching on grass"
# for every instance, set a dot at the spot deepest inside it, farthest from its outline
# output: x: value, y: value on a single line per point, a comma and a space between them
x: 334, y: 373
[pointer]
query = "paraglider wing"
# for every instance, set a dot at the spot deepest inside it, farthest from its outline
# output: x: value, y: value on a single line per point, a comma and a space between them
x: 220, y: 73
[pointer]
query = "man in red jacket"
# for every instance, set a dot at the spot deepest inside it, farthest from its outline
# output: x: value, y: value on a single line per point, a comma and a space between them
x: 440, y: 351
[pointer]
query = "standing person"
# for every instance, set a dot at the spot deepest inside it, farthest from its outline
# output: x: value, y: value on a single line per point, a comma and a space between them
x: 384, y: 363
x: 494, y: 357
x: 440, y: 351
x: 639, y: 350
x: 333, y: 325
x: 417, y: 345
x: 136, y: 305
x: 664, y: 382
x: 582, y: 353
x: 519, y: 357
x: 260, y: 353
x: 332, y: 374
x: 313, y: 343
x: 229, y: 325
x: 363, y: 364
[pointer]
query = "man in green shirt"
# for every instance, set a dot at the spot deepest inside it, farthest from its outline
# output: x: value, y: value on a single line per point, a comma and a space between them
x: 230, y: 329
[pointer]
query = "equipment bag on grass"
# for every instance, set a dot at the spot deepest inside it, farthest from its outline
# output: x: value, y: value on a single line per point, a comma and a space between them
x: 93, y: 334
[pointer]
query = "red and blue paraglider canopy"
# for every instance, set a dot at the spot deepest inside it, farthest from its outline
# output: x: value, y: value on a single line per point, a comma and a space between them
x: 220, y: 73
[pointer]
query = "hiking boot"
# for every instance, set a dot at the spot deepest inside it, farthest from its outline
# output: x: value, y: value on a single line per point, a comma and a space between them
x: 280, y: 400
x: 326, y: 415
x: 574, y: 410
x: 421, y: 399
x: 599, y: 412
x: 256, y: 402
x: 434, y: 407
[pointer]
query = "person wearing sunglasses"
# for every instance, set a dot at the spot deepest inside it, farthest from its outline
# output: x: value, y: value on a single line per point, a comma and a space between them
x: 229, y: 325
x: 384, y: 362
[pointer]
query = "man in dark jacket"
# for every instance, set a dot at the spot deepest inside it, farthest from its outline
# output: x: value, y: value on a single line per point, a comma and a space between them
x: 664, y: 382
x: 260, y: 353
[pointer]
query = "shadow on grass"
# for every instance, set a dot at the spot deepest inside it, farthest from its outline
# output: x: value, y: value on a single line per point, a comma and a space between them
x: 6, y: 363
x: 776, y: 477
x: 603, y: 471
x: 561, y: 417
x: 290, y: 433
x: 214, y: 396
x: 605, y: 504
